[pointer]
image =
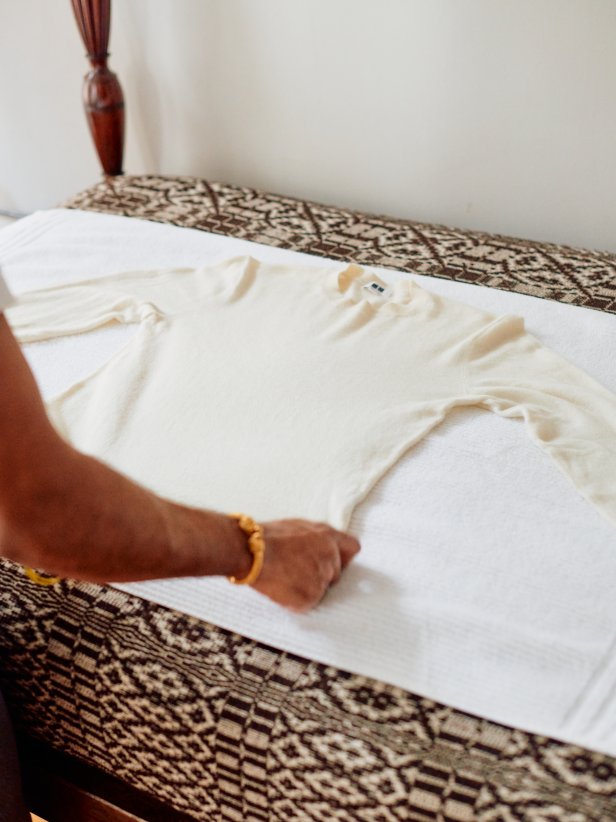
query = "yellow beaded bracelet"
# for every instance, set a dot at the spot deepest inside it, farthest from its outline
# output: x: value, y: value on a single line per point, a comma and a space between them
x: 40, y: 579
x: 256, y: 546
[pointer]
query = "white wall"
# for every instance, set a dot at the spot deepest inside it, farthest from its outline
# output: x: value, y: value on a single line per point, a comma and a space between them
x: 489, y: 114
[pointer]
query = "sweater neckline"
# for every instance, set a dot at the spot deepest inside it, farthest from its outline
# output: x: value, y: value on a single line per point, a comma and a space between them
x: 354, y: 284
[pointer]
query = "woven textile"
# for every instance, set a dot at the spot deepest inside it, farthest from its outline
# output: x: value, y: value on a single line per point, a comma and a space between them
x: 222, y: 727
x: 542, y: 270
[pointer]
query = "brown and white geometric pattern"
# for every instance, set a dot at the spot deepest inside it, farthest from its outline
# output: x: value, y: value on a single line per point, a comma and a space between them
x: 543, y: 270
x: 224, y: 728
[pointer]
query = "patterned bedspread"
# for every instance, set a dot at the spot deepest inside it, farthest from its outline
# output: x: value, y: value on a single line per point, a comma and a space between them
x: 221, y: 727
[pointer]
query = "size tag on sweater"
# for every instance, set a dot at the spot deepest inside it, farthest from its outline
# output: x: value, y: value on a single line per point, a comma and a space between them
x: 378, y: 289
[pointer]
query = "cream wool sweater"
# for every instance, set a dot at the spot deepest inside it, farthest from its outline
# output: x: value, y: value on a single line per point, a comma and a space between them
x: 289, y: 391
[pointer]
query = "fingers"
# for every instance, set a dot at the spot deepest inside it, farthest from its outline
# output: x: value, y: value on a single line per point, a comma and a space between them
x: 348, y: 546
x: 336, y: 568
x: 302, y: 560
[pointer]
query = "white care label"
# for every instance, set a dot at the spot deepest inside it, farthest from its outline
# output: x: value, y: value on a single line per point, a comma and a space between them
x: 378, y: 289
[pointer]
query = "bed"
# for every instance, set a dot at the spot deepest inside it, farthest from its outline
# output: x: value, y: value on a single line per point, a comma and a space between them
x: 137, y: 701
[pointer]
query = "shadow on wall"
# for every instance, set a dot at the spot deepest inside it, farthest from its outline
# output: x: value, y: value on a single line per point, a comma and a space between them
x: 171, y: 108
x: 468, y: 116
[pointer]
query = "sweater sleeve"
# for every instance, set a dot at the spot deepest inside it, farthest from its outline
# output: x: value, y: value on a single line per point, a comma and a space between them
x: 76, y: 308
x: 567, y: 413
x: 42, y: 315
x: 130, y: 297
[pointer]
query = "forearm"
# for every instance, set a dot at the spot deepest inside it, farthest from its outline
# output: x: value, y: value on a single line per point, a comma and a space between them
x: 67, y: 513
x: 76, y: 517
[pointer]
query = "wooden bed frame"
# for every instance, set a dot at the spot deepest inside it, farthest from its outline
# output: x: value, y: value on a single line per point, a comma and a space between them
x: 59, y: 788
x: 102, y: 94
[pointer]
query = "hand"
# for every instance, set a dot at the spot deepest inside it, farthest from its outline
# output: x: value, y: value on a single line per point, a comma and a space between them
x: 302, y: 559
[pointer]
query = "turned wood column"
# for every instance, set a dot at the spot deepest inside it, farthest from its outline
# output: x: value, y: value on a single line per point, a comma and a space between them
x: 102, y: 95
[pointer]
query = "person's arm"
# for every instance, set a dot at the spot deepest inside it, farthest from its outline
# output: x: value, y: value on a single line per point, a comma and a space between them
x: 72, y: 515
